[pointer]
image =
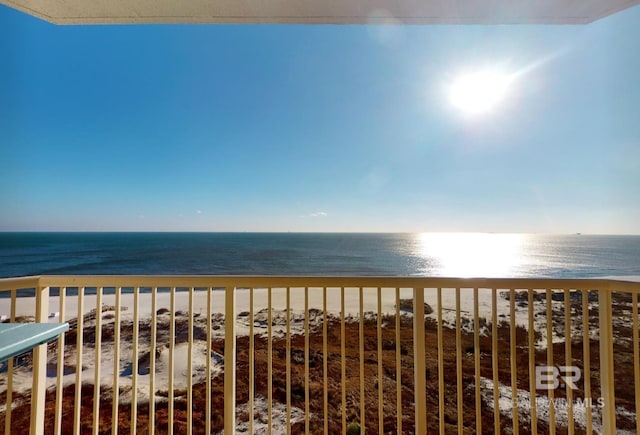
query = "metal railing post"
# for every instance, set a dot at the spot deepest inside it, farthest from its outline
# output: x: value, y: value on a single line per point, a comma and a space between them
x: 39, y: 384
x: 606, y: 362
x: 230, y: 360
x: 419, y: 365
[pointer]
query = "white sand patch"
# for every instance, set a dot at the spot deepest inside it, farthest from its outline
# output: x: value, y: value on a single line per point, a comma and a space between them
x: 22, y: 377
x: 260, y: 420
x: 543, y: 405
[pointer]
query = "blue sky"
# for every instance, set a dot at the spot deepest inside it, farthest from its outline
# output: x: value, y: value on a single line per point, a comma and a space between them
x: 317, y: 128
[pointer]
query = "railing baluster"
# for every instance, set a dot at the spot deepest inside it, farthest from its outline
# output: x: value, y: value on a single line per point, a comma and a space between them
x: 552, y: 411
x: 62, y: 291
x: 288, y: 359
x: 172, y: 344
x: 116, y: 364
x: 251, y: 363
x: 152, y: 359
x: 269, y: 362
x: 363, y: 427
x: 514, y: 361
x: 97, y: 358
x: 586, y: 357
x: 343, y: 364
x: 636, y: 357
x: 190, y: 365
x: 229, y: 360
x: 476, y: 354
x: 459, y: 396
x: 419, y: 366
x: 79, y: 348
x: 8, y: 411
x: 380, y: 377
x: 325, y: 363
x: 134, y: 361
x: 606, y: 361
x: 440, y: 365
x: 494, y: 360
x: 398, y: 365
x: 568, y: 360
x: 39, y: 362
x: 208, y: 364
x: 533, y: 408
x: 306, y: 361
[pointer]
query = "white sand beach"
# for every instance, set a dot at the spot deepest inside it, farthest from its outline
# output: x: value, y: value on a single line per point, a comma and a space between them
x: 25, y: 306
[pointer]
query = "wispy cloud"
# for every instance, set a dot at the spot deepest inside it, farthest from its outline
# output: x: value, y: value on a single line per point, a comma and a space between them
x: 199, y: 211
x: 317, y: 214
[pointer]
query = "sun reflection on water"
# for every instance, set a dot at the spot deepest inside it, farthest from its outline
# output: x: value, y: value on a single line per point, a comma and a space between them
x: 469, y: 255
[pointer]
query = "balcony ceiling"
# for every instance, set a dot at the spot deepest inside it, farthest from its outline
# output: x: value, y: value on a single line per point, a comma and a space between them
x: 321, y: 11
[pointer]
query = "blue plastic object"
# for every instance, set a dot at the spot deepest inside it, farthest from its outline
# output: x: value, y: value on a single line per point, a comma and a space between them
x: 17, y: 338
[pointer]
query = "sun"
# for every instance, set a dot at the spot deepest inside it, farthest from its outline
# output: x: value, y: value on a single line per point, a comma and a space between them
x: 479, y: 92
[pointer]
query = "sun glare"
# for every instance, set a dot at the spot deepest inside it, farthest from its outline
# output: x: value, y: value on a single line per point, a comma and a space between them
x: 480, y: 92
x: 469, y: 255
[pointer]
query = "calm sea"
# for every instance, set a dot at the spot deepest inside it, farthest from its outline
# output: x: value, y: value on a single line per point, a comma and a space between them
x: 429, y: 254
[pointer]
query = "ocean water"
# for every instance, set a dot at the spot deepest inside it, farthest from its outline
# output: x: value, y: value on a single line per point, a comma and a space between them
x: 428, y: 254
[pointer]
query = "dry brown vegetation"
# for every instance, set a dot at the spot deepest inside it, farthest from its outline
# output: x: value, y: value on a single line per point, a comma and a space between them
x: 623, y: 364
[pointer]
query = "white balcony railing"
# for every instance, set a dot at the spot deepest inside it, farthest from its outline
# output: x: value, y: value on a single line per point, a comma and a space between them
x: 199, y: 354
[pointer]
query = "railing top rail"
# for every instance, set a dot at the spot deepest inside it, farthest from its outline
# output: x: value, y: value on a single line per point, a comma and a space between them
x: 20, y: 282
x: 311, y: 281
x: 624, y: 286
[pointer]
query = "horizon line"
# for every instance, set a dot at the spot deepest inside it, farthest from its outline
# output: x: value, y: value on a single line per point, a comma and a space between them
x: 305, y: 232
